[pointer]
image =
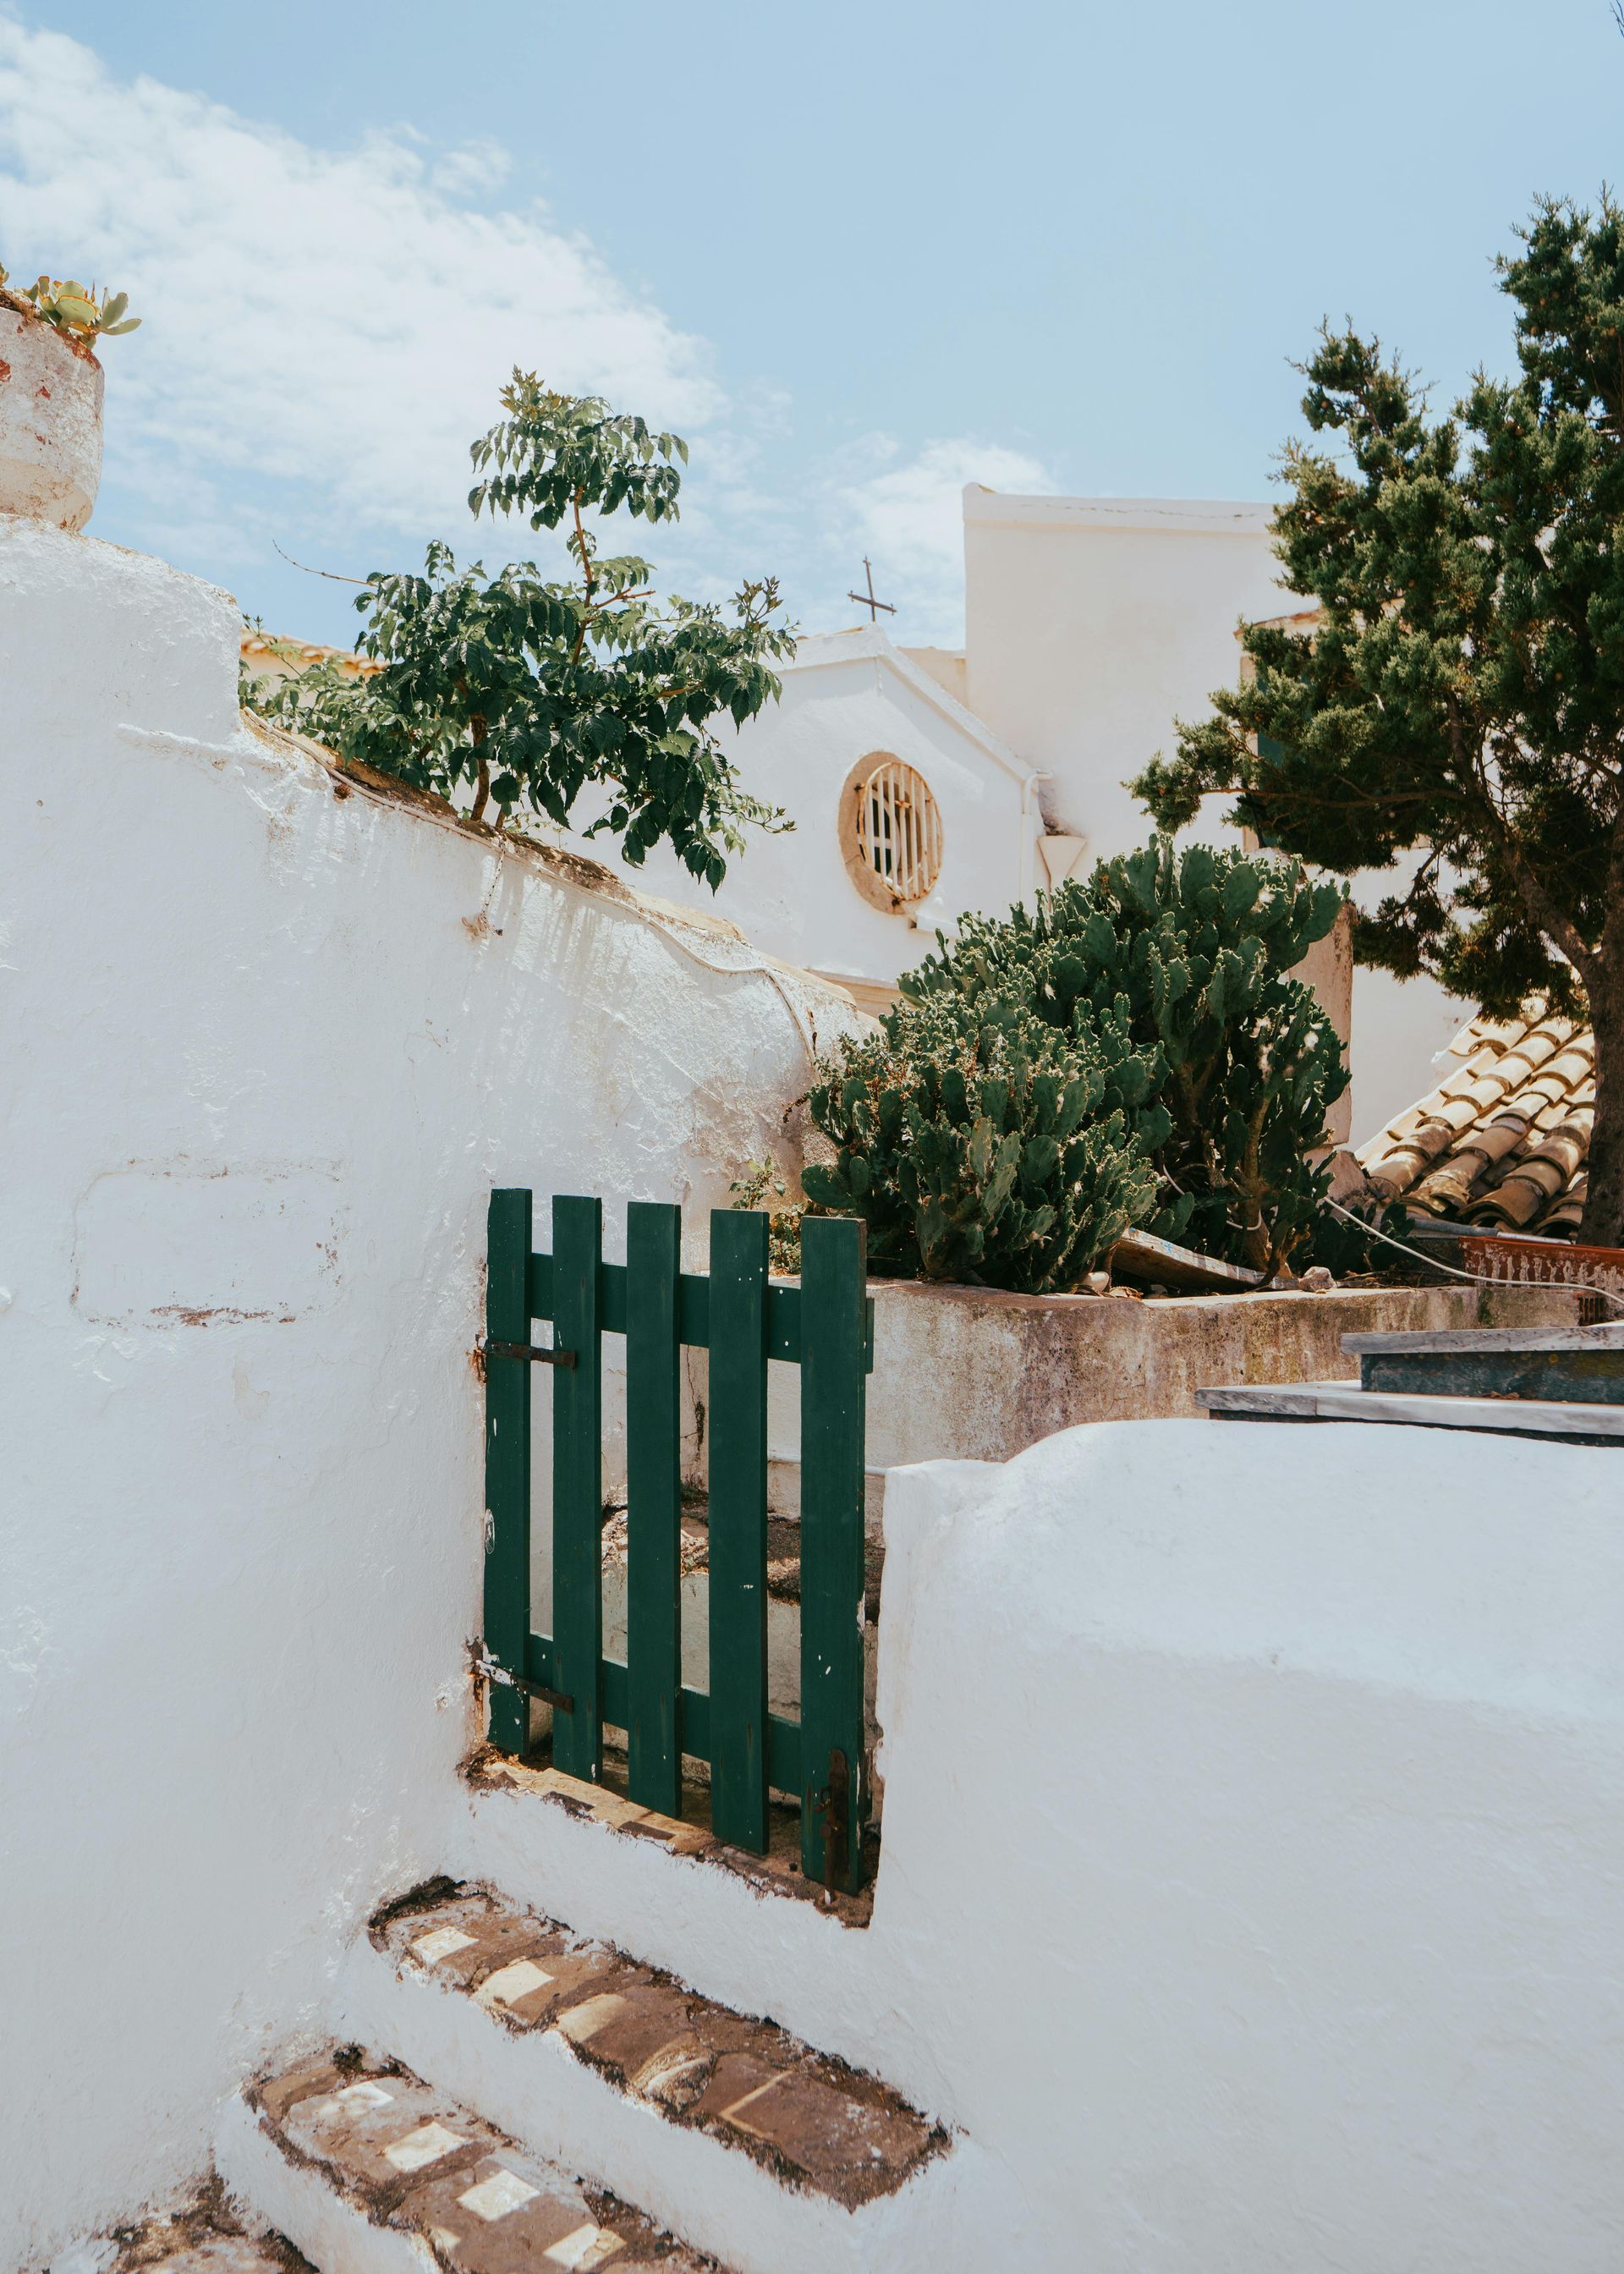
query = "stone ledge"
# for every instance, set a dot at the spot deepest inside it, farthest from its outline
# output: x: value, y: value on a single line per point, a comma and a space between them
x: 973, y: 1374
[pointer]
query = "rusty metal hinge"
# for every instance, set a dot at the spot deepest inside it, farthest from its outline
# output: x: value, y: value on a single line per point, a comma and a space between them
x: 488, y: 1668
x: 835, y: 1817
x: 534, y: 1351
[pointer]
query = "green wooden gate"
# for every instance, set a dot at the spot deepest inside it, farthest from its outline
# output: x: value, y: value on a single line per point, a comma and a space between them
x: 825, y: 1327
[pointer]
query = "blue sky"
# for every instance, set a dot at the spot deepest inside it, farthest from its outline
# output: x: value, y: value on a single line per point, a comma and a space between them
x: 858, y: 255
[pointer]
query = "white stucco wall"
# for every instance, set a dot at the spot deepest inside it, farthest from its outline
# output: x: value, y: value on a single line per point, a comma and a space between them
x: 268, y: 1041
x: 1255, y: 1823
x: 1272, y: 1778
x: 846, y: 694
x: 1399, y: 1028
x: 1091, y: 624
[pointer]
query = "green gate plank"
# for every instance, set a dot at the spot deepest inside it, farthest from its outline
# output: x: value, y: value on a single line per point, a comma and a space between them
x: 693, y: 1714
x: 654, y: 1503
x: 832, y: 1289
x: 508, y: 1461
x: 577, y: 1484
x: 738, y: 1434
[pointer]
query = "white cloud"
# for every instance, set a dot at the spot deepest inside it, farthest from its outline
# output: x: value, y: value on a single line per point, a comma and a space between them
x: 907, y: 513
x: 338, y: 322
x: 325, y: 330
x: 480, y: 165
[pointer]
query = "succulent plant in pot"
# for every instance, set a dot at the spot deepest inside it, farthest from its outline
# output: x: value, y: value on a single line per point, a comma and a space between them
x: 79, y: 312
x: 50, y: 396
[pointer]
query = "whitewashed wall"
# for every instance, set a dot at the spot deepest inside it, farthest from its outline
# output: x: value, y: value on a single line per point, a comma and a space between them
x: 1255, y: 1823
x: 267, y: 1044
x: 1254, y: 1796
x: 1091, y: 624
x: 845, y: 696
x: 1272, y: 1778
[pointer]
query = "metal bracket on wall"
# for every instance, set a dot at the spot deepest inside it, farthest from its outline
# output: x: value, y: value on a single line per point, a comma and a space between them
x: 534, y: 1351
x: 492, y: 1672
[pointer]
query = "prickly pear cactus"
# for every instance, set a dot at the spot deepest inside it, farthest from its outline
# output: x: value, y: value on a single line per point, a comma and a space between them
x: 1189, y: 953
x: 982, y: 1145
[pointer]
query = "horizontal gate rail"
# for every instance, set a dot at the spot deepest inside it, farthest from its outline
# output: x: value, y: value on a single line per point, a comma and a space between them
x: 693, y: 1716
x: 693, y: 1305
x: 826, y: 1326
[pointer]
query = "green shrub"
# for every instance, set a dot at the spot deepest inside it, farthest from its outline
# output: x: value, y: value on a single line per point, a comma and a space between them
x: 762, y: 1186
x: 1188, y: 953
x: 980, y: 1144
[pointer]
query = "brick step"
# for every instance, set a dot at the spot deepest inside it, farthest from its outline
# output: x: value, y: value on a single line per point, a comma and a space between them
x: 367, y: 2170
x: 736, y: 2134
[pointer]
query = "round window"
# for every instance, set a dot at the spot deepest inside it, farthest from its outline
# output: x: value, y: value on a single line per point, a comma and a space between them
x: 893, y: 830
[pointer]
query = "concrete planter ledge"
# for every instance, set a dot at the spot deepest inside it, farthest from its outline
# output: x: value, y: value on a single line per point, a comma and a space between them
x: 970, y: 1373
x: 50, y: 420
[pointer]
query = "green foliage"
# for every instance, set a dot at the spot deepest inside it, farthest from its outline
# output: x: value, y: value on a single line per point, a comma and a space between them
x: 1352, y: 1240
x: 759, y: 1186
x: 1461, y: 693
x: 529, y: 693
x: 982, y: 1145
x: 81, y: 311
x: 1187, y: 954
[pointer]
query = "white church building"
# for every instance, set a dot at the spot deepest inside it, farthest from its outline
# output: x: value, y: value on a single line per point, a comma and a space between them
x: 925, y: 782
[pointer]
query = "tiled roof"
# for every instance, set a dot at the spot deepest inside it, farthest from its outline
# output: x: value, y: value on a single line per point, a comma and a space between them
x: 292, y: 656
x: 1503, y: 1140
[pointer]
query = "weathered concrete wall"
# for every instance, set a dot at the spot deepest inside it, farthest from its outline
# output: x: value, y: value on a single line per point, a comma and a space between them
x: 966, y: 1373
x: 50, y: 419
x: 270, y: 1038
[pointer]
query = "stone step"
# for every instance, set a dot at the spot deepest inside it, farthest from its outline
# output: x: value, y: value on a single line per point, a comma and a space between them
x: 1608, y: 1335
x: 736, y: 2134
x: 367, y: 2170
x: 1343, y: 1401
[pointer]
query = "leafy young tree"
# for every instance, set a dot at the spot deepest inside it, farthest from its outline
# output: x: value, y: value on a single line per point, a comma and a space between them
x: 526, y: 691
x: 1461, y: 696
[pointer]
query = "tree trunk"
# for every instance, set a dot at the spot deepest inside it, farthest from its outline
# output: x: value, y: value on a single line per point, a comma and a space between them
x: 1604, y: 1201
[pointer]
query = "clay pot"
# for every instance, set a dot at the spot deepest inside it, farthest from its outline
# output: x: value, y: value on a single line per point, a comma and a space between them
x: 50, y: 422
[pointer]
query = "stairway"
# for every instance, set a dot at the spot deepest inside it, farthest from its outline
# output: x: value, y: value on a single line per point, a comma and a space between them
x: 500, y: 2092
x: 364, y: 2168
x: 1563, y: 1383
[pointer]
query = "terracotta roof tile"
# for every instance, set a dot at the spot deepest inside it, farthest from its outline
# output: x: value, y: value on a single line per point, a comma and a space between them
x: 1503, y: 1139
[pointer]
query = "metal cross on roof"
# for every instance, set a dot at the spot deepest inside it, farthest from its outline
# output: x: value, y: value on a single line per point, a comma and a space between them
x: 867, y: 600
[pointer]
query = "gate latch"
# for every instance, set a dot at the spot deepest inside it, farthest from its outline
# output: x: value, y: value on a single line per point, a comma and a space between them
x: 489, y: 1670
x: 534, y: 1351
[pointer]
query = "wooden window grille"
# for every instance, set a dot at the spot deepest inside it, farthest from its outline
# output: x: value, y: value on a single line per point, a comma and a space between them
x: 899, y: 830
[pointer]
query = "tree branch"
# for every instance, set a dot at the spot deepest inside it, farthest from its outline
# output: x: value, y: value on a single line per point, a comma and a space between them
x: 330, y: 573
x: 1556, y: 925
x: 587, y: 578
